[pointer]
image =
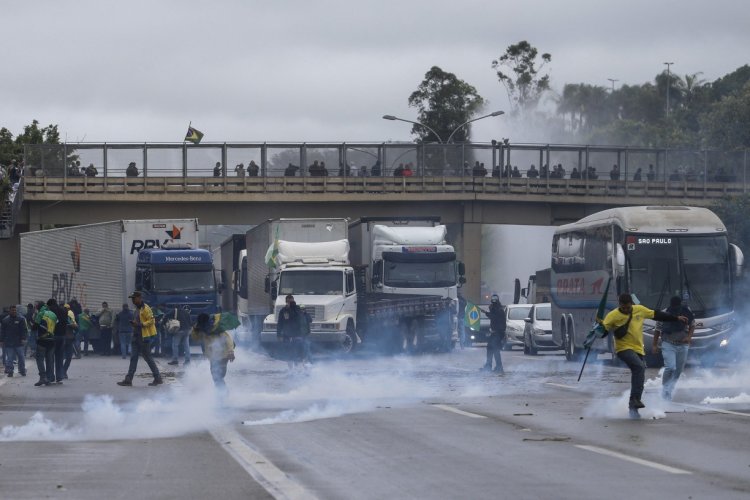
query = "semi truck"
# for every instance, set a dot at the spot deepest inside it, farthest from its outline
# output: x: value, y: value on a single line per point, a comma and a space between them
x: 97, y: 263
x: 309, y: 258
x: 410, y: 255
x: 233, y: 283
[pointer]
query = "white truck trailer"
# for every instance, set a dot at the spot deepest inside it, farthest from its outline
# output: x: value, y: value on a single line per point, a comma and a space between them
x: 94, y: 263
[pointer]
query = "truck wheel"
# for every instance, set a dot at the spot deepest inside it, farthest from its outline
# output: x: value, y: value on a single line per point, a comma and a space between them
x: 410, y: 343
x: 349, y: 342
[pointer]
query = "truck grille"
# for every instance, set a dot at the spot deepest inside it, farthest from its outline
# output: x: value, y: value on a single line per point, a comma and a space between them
x: 317, y: 313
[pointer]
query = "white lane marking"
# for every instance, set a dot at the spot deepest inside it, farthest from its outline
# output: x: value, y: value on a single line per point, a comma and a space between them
x: 572, y: 387
x: 459, y: 412
x: 636, y: 460
x: 710, y: 408
x: 273, y: 479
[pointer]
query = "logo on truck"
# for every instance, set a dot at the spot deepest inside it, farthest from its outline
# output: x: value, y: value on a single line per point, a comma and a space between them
x: 66, y: 286
x: 137, y: 245
x: 76, y: 256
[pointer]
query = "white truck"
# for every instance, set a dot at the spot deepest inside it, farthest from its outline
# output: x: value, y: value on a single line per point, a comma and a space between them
x: 410, y: 255
x: 310, y: 260
x: 95, y: 263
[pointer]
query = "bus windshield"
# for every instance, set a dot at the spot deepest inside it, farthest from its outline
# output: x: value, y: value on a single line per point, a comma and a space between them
x: 695, y: 268
x: 299, y: 282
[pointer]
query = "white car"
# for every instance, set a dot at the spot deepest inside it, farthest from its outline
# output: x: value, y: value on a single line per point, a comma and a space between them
x: 537, y: 335
x: 515, y: 314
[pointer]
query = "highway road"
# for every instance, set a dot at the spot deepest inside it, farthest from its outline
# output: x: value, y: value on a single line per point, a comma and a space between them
x: 370, y: 427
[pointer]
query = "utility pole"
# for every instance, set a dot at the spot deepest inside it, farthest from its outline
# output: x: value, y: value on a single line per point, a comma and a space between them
x: 669, y: 83
x: 613, y: 80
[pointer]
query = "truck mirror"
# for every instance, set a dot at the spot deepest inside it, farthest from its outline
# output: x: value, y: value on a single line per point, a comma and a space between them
x: 620, y: 260
x: 737, y: 259
x: 267, y: 285
x: 516, y: 290
x: 461, y: 280
x: 274, y: 290
x: 461, y: 268
x: 525, y: 293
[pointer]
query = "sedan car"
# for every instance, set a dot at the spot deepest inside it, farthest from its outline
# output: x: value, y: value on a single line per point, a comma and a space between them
x: 515, y: 314
x: 537, y: 335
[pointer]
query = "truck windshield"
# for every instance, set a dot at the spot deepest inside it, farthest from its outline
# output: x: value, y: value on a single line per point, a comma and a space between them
x: 419, y: 274
x: 182, y: 279
x: 300, y: 282
x: 695, y: 268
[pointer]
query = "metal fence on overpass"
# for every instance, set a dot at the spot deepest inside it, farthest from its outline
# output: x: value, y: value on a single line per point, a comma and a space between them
x: 501, y: 160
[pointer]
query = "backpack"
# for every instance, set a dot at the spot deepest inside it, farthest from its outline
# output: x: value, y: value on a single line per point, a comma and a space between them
x: 173, y: 324
x: 622, y: 330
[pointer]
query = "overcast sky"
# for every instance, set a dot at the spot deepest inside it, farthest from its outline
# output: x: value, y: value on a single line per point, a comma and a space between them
x: 253, y: 71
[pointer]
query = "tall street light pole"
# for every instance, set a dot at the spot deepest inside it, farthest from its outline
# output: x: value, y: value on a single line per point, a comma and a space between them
x: 669, y: 83
x: 612, y: 81
x: 391, y: 117
x: 496, y: 113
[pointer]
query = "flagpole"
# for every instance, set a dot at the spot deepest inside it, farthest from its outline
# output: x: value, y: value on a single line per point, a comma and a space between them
x: 584, y: 363
x: 190, y: 124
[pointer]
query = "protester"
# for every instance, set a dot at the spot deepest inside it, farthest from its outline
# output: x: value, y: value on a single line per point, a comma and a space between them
x: 71, y: 331
x: 290, y: 331
x: 132, y: 170
x: 124, y: 328
x: 675, y: 343
x: 85, y: 325
x: 106, y: 322
x: 144, y: 327
x: 61, y: 328
x: 46, y: 321
x: 240, y: 169
x: 218, y: 346
x: 13, y: 335
x: 496, y: 314
x: 181, y: 336
x: 626, y: 322
x: 252, y: 169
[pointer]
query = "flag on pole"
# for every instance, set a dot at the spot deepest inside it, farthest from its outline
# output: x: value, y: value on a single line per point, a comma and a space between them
x: 597, y: 329
x: 273, y: 251
x: 194, y: 135
x: 472, y: 316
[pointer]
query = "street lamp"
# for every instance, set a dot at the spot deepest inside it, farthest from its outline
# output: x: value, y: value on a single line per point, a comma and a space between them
x: 391, y: 117
x: 613, y: 80
x: 669, y: 83
x: 496, y: 113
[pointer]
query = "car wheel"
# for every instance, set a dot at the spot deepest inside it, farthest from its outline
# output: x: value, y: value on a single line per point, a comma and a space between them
x: 528, y: 345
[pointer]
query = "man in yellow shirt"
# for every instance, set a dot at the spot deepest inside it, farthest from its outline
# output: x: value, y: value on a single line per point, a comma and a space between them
x: 144, y: 331
x: 627, y: 323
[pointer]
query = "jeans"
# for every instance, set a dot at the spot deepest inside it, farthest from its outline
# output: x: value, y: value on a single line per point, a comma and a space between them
x: 141, y: 347
x: 45, y: 360
x: 219, y: 371
x: 675, y: 356
x: 181, y: 338
x: 59, y: 359
x: 125, y: 339
x: 11, y: 353
x: 105, y: 341
x: 67, y: 355
x: 637, y: 373
x: 494, y: 345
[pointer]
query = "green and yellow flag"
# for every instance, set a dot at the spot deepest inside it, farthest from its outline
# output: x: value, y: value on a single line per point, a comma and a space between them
x: 194, y: 135
x: 472, y: 316
x: 273, y: 251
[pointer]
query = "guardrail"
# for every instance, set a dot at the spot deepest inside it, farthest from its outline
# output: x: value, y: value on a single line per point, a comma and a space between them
x: 422, y: 185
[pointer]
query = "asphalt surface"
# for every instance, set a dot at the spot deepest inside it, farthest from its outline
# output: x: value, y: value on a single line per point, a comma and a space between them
x: 428, y: 426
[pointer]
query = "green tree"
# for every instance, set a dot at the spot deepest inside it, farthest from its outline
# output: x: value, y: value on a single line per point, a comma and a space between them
x: 443, y: 103
x: 523, y: 82
x: 727, y: 124
x: 13, y: 148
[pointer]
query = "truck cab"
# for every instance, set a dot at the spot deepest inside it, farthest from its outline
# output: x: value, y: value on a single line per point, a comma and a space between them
x: 320, y: 278
x: 175, y: 276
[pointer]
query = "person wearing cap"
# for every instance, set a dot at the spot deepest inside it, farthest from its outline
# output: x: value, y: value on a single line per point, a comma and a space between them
x: 675, y: 342
x: 626, y: 323
x: 144, y: 331
x: 496, y: 314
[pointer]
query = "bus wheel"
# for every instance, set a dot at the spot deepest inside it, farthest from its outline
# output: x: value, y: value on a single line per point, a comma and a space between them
x: 571, y: 354
x: 528, y: 345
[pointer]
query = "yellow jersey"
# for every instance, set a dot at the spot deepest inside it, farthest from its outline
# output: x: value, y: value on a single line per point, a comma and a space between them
x: 634, y: 338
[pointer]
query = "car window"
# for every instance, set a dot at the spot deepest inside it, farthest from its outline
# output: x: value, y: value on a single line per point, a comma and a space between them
x: 519, y: 313
x: 544, y: 313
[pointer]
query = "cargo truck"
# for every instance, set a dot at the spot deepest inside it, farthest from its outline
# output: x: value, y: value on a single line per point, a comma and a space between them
x: 410, y: 255
x: 95, y: 263
x: 309, y: 258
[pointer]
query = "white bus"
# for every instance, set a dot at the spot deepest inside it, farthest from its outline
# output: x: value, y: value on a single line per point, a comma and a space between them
x: 653, y: 253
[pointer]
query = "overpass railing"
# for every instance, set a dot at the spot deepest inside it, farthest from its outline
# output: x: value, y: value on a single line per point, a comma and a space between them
x: 501, y: 160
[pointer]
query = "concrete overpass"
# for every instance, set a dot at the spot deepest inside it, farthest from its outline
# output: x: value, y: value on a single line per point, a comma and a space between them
x: 464, y: 200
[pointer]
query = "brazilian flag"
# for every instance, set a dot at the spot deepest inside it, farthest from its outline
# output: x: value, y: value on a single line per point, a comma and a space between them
x: 194, y: 135
x: 472, y: 316
x: 225, y: 321
x: 597, y: 329
x: 273, y: 251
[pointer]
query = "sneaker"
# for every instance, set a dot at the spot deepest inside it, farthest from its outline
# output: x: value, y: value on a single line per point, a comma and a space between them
x: 157, y: 381
x: 59, y: 382
x: 10, y: 374
x: 173, y: 362
x: 40, y: 383
x: 125, y: 383
x: 23, y: 374
x: 498, y: 370
x: 637, y: 403
x: 485, y: 368
x: 633, y: 414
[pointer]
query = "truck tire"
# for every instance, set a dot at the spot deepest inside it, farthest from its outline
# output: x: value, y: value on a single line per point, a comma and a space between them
x: 410, y: 337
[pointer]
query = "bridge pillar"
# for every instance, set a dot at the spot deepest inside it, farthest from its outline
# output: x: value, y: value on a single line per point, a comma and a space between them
x: 10, y: 270
x: 471, y: 254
